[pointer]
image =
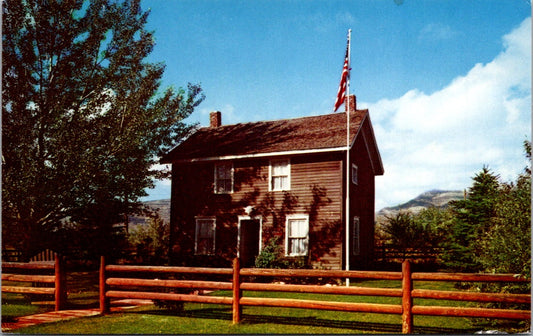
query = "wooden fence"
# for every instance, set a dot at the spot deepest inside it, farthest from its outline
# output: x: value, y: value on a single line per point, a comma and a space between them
x: 19, y: 272
x: 128, y: 287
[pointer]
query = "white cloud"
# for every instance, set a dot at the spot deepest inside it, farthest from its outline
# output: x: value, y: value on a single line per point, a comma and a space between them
x: 441, y: 140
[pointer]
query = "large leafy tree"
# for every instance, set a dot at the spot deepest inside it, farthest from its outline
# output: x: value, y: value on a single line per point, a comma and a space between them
x: 83, y: 117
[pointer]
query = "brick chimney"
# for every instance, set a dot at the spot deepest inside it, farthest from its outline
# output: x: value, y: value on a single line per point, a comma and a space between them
x: 351, y: 102
x: 215, y: 119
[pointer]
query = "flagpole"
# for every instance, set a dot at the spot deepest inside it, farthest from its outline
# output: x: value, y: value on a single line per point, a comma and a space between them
x: 347, y: 106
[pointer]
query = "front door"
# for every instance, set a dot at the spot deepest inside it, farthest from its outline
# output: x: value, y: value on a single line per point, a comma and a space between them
x: 249, y: 241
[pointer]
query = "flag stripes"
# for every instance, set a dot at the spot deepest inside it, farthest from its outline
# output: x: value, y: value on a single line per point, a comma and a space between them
x: 341, y: 94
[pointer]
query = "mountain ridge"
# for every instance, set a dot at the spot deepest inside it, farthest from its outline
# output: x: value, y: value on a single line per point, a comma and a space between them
x: 431, y: 198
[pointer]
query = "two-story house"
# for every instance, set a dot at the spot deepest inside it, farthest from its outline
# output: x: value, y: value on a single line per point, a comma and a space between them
x: 237, y: 188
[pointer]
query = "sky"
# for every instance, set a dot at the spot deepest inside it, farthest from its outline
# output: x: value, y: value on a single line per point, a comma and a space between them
x: 447, y: 82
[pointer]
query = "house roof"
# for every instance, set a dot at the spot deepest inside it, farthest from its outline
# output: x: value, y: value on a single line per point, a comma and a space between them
x: 265, y: 138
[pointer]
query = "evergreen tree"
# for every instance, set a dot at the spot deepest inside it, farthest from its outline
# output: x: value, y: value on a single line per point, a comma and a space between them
x: 505, y: 247
x: 83, y: 118
x: 472, y: 218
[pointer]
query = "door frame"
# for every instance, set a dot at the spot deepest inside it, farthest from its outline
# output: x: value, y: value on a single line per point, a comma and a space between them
x: 241, y: 218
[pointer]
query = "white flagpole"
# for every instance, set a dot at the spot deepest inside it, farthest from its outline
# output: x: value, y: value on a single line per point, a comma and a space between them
x: 347, y: 106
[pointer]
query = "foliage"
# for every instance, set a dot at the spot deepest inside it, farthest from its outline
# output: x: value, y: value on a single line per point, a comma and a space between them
x: 151, y: 242
x: 174, y: 306
x: 505, y: 246
x: 491, y: 231
x: 472, y: 216
x: 422, y: 231
x: 83, y: 119
x: 271, y: 256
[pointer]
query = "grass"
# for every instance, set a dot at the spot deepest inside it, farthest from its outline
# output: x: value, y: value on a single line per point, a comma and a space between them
x: 14, y: 305
x: 209, y: 319
x: 82, y: 288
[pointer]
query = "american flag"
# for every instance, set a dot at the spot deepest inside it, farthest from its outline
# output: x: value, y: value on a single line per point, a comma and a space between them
x: 341, y: 95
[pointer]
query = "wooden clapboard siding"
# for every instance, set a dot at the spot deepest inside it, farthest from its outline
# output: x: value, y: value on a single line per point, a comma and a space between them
x: 362, y: 196
x: 193, y: 195
x: 324, y: 173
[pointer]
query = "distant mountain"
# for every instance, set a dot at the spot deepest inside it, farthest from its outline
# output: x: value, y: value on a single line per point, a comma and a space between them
x: 437, y: 198
x: 432, y: 198
x: 161, y: 206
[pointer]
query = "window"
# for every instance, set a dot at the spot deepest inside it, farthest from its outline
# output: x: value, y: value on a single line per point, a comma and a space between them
x: 280, y: 175
x: 354, y: 174
x: 223, y: 178
x: 355, y: 236
x: 205, y: 235
x: 297, y: 235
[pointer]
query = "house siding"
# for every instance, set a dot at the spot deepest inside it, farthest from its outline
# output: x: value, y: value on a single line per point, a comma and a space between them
x: 316, y: 190
x: 362, y: 198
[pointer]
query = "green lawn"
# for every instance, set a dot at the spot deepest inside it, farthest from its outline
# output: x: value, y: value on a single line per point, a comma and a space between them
x: 209, y: 319
x: 82, y: 288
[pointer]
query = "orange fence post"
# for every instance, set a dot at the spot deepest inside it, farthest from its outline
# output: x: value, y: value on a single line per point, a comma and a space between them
x: 237, y: 293
x: 407, y: 299
x: 60, y: 281
x: 104, y: 302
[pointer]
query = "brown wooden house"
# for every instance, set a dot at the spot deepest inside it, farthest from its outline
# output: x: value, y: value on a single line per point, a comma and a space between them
x: 238, y: 188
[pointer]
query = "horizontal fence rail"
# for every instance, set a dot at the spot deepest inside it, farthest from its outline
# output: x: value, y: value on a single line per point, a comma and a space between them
x: 121, y: 287
x: 18, y: 272
x: 239, y: 280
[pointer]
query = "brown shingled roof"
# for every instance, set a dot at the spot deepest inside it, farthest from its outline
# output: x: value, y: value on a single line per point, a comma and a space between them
x: 307, y: 133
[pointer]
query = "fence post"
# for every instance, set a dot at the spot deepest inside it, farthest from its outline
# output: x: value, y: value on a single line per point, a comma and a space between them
x: 407, y: 299
x: 237, y: 293
x: 60, y: 281
x: 104, y: 302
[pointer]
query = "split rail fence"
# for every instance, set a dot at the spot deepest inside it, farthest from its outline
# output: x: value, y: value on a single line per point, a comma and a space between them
x: 22, y: 273
x: 136, y: 288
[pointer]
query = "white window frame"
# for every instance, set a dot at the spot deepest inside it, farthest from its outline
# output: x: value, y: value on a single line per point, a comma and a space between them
x: 222, y: 164
x: 288, y: 219
x: 356, y: 236
x: 355, y: 178
x: 271, y: 175
x: 197, y: 227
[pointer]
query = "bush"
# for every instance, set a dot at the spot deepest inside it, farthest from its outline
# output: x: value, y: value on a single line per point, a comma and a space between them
x: 175, y: 306
x: 271, y: 256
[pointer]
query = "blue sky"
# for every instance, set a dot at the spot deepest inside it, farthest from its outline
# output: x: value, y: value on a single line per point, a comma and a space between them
x: 447, y: 83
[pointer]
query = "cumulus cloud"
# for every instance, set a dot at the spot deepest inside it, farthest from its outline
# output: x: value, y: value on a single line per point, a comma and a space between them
x: 441, y: 140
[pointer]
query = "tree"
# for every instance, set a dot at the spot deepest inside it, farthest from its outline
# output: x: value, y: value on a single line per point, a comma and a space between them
x: 422, y: 231
x: 505, y: 246
x: 83, y: 117
x: 151, y: 241
x: 472, y: 218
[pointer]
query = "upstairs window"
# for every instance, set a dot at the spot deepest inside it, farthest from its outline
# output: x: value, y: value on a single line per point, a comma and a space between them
x: 354, y: 174
x: 297, y: 235
x: 224, y: 178
x: 280, y: 175
x: 204, y: 242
